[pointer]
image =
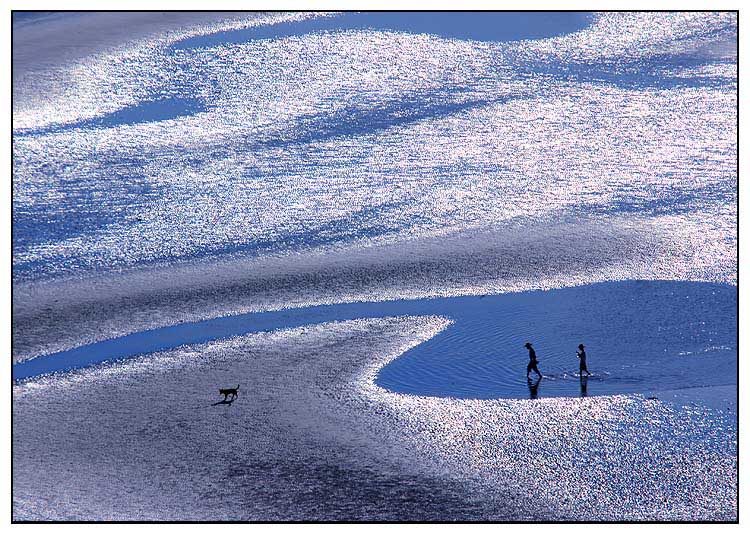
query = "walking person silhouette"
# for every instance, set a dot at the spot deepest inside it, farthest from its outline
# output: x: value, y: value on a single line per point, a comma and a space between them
x: 532, y: 361
x: 582, y: 361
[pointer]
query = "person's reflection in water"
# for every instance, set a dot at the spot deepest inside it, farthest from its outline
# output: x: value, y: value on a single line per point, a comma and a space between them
x: 584, y: 386
x: 534, y: 387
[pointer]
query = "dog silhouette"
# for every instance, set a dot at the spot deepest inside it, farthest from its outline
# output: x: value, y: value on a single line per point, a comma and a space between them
x: 229, y: 391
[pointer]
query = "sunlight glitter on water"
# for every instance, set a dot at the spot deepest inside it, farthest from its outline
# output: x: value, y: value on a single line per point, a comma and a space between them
x: 358, y: 165
x: 361, y: 137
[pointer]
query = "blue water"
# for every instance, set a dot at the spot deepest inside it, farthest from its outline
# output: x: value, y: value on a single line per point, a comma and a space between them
x: 283, y: 137
x: 157, y: 110
x: 612, y: 149
x: 90, y: 207
x: 477, y: 26
x: 640, y: 336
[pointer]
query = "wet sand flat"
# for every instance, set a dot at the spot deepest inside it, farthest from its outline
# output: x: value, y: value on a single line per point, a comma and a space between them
x: 312, y: 437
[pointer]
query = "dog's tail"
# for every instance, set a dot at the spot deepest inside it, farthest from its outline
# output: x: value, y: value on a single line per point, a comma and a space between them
x: 238, y: 386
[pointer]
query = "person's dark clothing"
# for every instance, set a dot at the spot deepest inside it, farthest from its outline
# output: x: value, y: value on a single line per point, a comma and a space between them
x: 532, y: 363
x: 582, y: 363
